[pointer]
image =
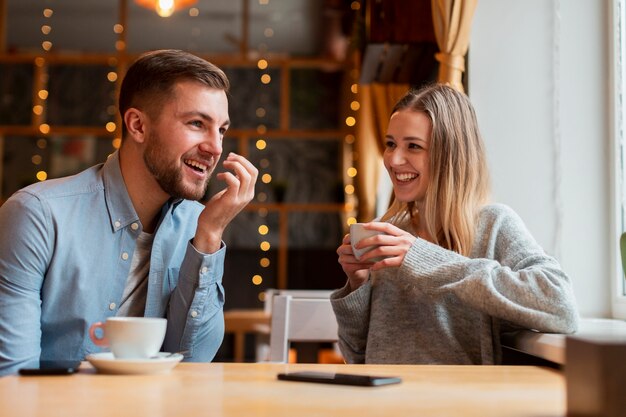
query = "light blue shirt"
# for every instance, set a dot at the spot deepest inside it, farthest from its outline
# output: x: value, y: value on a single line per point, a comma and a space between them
x: 66, y: 246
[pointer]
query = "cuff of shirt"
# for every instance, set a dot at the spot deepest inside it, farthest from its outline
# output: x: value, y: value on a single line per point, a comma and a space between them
x: 205, y: 269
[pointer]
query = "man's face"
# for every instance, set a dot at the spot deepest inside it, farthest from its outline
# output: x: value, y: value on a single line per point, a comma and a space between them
x: 184, y: 142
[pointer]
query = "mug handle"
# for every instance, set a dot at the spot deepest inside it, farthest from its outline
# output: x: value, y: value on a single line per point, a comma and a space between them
x: 99, y: 341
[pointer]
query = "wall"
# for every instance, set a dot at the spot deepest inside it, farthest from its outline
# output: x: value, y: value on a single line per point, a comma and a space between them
x: 539, y: 78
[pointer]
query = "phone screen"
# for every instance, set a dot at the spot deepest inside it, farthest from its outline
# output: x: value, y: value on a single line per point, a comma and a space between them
x: 52, y: 367
x: 342, y: 379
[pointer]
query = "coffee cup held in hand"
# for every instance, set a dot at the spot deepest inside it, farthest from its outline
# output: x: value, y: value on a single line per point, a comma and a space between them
x: 130, y: 337
x: 358, y: 233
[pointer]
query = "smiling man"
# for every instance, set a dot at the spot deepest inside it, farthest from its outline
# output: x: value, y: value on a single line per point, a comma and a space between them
x: 135, y: 236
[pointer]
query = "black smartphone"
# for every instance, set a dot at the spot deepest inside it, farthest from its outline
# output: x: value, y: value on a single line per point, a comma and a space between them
x: 342, y: 379
x: 52, y: 368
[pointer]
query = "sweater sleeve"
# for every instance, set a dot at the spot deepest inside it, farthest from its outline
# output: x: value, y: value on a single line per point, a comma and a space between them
x: 510, y: 278
x: 352, y: 310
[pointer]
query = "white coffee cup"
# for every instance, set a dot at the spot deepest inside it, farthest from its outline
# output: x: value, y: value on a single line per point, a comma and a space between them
x: 130, y: 337
x: 358, y: 233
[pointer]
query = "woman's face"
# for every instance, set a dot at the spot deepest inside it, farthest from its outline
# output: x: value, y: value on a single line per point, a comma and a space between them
x: 406, y: 155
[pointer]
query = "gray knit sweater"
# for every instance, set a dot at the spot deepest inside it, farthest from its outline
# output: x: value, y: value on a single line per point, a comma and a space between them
x: 440, y: 307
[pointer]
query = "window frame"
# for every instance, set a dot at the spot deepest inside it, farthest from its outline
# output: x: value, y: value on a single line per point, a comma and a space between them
x: 617, y: 95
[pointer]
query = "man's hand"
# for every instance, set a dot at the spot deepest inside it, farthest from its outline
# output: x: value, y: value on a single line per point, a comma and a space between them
x: 222, y: 208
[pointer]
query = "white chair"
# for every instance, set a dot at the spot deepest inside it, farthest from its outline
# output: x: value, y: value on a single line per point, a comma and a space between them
x: 300, y: 320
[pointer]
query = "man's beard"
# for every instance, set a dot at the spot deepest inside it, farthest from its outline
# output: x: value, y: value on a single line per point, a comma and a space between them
x: 168, y: 173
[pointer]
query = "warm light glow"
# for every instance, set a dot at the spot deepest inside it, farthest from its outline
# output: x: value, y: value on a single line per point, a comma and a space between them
x: 263, y: 229
x: 117, y: 142
x: 260, y: 112
x: 264, y: 2
x: 264, y: 262
x: 261, y: 144
x: 112, y: 76
x: 36, y: 159
x: 350, y: 121
x: 261, y: 129
x: 42, y: 175
x: 352, y: 172
x: 266, y: 79
x: 265, y: 246
x: 110, y: 127
x: 262, y: 64
x: 46, y: 45
x: 351, y: 220
x: 46, y: 29
x: 354, y: 88
x: 43, y: 94
x: 38, y: 109
x: 44, y: 128
x: 266, y: 178
x: 355, y: 105
x: 349, y: 189
x: 117, y: 28
x: 39, y: 61
x: 257, y: 279
x: 47, y: 12
x: 120, y: 45
x: 349, y: 139
x: 166, y: 8
x: 194, y: 12
x: 355, y: 5
x: 262, y: 296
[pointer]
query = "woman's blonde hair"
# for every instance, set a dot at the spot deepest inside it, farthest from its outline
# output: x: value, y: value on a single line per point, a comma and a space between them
x: 459, y: 177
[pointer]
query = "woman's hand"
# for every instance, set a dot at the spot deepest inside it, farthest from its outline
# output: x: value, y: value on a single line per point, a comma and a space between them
x: 356, y: 271
x: 392, y: 245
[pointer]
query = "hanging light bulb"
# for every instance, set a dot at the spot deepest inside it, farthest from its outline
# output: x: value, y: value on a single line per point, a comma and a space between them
x: 165, y: 8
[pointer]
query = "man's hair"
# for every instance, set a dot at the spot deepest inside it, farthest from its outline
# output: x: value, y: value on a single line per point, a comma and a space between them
x: 150, y: 80
x: 459, y: 177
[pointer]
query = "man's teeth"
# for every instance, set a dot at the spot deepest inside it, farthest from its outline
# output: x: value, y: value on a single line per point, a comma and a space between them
x: 197, y: 165
x: 406, y: 177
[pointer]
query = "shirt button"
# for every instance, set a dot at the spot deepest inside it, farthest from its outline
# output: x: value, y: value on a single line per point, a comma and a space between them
x: 124, y: 256
x: 134, y: 226
x: 204, y: 270
x: 194, y: 313
x: 112, y: 306
x: 117, y: 224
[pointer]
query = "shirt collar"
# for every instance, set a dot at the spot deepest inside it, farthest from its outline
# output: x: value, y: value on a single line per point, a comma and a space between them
x: 120, y: 207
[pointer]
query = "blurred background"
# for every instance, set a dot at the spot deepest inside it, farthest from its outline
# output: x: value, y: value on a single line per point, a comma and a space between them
x: 295, y: 66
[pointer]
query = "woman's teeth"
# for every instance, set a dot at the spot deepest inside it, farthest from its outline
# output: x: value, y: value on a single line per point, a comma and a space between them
x: 406, y: 177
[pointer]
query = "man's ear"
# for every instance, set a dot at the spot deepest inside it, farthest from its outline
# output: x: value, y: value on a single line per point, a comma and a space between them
x: 135, y: 121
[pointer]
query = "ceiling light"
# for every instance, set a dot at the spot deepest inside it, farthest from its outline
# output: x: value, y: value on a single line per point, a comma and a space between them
x: 165, y: 8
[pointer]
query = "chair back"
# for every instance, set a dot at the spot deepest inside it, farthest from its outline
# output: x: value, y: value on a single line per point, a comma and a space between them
x: 300, y: 320
x: 270, y: 293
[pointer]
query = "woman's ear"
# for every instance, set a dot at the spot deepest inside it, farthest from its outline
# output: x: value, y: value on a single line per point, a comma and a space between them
x: 135, y: 121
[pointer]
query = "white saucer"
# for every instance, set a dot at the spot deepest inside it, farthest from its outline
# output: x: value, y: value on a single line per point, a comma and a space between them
x: 105, y: 363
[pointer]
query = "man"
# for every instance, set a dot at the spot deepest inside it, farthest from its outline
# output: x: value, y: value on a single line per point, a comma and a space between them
x: 125, y: 237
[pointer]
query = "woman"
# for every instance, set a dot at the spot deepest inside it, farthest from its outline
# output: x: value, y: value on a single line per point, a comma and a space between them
x: 456, y: 272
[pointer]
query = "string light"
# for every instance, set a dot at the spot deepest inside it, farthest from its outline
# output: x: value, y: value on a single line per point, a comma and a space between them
x: 261, y: 145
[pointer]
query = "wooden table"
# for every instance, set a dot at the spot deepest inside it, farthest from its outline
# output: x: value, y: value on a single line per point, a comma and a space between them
x: 251, y: 389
